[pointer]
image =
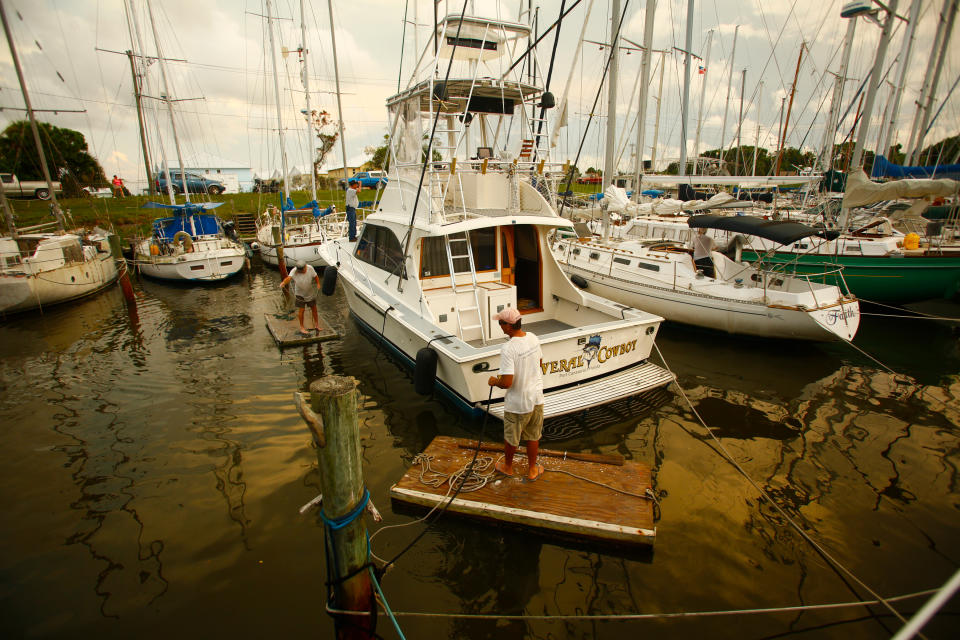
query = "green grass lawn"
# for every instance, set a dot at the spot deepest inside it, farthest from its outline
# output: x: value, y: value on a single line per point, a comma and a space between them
x: 128, y: 217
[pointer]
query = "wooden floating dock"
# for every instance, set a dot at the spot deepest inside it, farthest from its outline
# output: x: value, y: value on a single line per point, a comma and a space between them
x: 286, y: 330
x: 557, y: 502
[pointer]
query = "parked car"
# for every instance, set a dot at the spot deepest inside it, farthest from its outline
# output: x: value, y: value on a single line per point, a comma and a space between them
x: 195, y: 183
x: 367, y: 179
x: 12, y: 187
x: 266, y: 186
x: 590, y: 178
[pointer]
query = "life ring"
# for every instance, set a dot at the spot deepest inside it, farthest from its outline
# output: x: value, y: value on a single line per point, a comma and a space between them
x: 182, y: 237
x: 425, y: 371
x: 329, y: 281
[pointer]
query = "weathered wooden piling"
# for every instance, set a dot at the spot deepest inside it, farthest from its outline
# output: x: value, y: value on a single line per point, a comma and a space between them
x: 124, y: 278
x: 278, y: 241
x: 331, y: 416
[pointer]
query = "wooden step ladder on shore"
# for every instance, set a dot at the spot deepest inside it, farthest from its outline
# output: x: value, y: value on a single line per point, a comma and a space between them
x: 246, y: 225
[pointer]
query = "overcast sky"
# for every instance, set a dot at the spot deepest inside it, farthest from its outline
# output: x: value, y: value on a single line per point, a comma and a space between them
x: 226, y: 90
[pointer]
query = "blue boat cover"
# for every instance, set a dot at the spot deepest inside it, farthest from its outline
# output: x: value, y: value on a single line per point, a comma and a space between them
x: 883, y: 168
x: 205, y: 224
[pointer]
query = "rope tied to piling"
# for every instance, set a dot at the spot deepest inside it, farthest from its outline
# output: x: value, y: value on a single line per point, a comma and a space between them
x: 340, y: 523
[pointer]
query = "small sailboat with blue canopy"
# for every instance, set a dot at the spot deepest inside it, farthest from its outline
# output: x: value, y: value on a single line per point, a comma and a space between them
x: 190, y: 245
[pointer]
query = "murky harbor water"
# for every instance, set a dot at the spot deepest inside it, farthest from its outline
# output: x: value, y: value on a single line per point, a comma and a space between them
x: 153, y: 466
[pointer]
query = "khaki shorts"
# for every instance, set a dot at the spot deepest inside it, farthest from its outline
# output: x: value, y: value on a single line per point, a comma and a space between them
x: 523, y: 426
x: 305, y: 302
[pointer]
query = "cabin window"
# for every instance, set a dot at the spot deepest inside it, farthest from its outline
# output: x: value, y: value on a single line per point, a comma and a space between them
x: 6, y: 177
x: 648, y: 267
x: 576, y: 252
x: 594, y: 256
x: 622, y: 261
x: 379, y: 246
x: 483, y: 243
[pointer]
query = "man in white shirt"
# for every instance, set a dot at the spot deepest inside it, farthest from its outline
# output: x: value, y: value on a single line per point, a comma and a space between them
x: 702, y: 247
x: 353, y: 201
x: 305, y: 285
x: 521, y: 375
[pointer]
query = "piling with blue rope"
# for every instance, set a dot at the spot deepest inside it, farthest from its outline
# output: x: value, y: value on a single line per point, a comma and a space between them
x: 332, y: 419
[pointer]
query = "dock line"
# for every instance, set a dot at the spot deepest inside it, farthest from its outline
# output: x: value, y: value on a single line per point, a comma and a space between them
x: 823, y: 552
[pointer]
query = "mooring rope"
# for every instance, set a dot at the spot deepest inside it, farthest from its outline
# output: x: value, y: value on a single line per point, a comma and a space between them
x: 917, y: 315
x: 823, y: 552
x: 638, y: 616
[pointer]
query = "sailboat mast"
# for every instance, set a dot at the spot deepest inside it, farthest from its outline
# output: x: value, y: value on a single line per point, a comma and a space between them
x: 927, y: 79
x: 726, y: 106
x: 166, y: 97
x: 306, y: 92
x: 944, y: 44
x: 33, y: 123
x: 686, y: 90
x: 336, y: 78
x: 756, y: 141
x: 703, y: 94
x: 829, y: 133
x: 786, y: 122
x: 874, y: 84
x: 562, y: 111
x: 656, y: 124
x: 609, y: 157
x: 276, y: 92
x: 644, y: 94
x: 908, y: 39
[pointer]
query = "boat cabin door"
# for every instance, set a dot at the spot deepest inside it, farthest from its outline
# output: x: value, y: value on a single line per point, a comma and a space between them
x: 521, y: 265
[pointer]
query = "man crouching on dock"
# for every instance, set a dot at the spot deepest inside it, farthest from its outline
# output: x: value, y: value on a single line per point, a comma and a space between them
x: 521, y: 375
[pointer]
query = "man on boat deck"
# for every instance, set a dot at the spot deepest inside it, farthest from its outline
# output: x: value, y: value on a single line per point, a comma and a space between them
x: 702, y: 246
x: 521, y: 375
x: 353, y: 201
x: 305, y: 284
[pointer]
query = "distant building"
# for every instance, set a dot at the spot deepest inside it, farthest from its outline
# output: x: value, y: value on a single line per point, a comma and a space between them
x: 235, y: 177
x: 338, y: 173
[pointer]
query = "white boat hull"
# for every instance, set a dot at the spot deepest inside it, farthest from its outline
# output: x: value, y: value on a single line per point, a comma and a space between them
x: 210, y: 261
x: 20, y: 292
x: 838, y: 321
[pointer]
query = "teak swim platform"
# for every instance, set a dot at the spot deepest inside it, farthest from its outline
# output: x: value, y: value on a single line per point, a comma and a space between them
x: 598, y: 497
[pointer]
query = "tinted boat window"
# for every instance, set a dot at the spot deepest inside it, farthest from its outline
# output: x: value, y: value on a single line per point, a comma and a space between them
x: 379, y: 246
x: 483, y: 242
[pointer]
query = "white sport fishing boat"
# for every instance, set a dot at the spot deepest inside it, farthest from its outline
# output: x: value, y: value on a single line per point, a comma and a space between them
x: 456, y: 241
x: 42, y: 269
x: 756, y: 299
x: 189, y: 246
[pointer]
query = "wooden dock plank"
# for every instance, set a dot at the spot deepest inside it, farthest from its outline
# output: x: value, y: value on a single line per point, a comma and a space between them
x: 557, y: 502
x: 286, y: 330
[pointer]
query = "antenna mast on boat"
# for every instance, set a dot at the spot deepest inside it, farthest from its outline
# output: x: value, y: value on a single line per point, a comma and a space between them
x: 33, y: 127
x: 166, y: 97
x: 644, y: 94
x: 684, y: 108
x: 306, y: 92
x: 336, y: 78
x: 276, y: 90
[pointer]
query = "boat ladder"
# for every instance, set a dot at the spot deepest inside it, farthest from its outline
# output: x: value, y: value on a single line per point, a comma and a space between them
x: 468, y: 318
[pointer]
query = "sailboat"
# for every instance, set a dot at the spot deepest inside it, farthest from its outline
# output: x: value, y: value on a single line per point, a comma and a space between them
x: 299, y: 231
x: 190, y: 245
x: 40, y: 268
x: 457, y: 240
